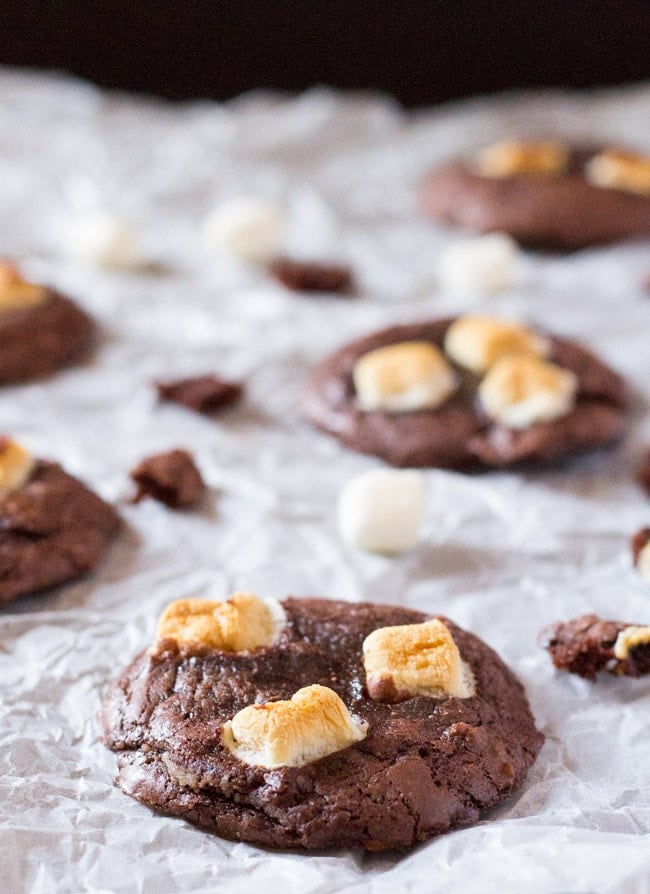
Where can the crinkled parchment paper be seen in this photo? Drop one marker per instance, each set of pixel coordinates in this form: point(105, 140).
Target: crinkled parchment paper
point(502, 554)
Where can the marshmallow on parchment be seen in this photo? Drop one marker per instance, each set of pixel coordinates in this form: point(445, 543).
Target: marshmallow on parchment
point(411, 375)
point(520, 391)
point(477, 342)
point(246, 228)
point(482, 265)
point(103, 239)
point(381, 510)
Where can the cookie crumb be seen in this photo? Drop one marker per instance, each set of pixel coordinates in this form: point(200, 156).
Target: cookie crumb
point(171, 478)
point(643, 472)
point(587, 645)
point(312, 276)
point(204, 394)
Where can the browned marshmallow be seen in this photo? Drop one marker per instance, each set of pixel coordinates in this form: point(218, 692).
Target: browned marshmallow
point(415, 659)
point(312, 724)
point(16, 465)
point(477, 342)
point(411, 375)
point(520, 391)
point(629, 639)
point(613, 169)
point(15, 292)
point(242, 623)
point(510, 158)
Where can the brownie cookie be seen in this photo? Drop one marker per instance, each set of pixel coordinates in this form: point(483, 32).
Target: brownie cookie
point(171, 478)
point(450, 427)
point(587, 645)
point(41, 331)
point(312, 723)
point(53, 529)
point(545, 194)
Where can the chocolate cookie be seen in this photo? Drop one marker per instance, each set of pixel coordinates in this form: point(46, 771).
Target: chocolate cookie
point(458, 434)
point(53, 529)
point(421, 764)
point(570, 206)
point(588, 644)
point(41, 331)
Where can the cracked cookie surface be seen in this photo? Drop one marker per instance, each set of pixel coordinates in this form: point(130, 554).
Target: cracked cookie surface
point(457, 435)
point(426, 765)
point(52, 530)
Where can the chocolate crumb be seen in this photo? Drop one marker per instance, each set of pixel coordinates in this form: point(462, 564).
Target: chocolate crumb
point(585, 646)
point(643, 473)
point(171, 478)
point(312, 276)
point(639, 541)
point(205, 394)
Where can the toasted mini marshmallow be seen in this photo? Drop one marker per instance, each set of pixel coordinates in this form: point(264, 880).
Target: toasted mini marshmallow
point(411, 375)
point(381, 510)
point(16, 465)
point(520, 391)
point(415, 659)
point(628, 171)
point(477, 342)
point(483, 265)
point(512, 157)
point(242, 623)
point(629, 639)
point(16, 292)
point(103, 239)
point(312, 724)
point(246, 228)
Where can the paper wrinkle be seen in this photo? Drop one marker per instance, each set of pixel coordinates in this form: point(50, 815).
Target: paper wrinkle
point(501, 554)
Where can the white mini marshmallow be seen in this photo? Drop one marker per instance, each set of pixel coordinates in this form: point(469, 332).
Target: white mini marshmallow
point(484, 264)
point(102, 239)
point(246, 228)
point(381, 510)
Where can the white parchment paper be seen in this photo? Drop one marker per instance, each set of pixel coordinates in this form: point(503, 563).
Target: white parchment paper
point(502, 554)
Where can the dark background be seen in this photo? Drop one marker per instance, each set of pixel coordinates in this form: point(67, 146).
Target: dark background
point(421, 51)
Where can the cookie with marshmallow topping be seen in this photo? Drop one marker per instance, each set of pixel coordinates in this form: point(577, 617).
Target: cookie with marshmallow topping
point(467, 393)
point(53, 528)
point(544, 193)
point(41, 331)
point(329, 718)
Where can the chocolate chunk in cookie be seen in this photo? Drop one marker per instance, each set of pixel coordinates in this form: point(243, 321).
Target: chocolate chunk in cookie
point(544, 193)
point(41, 331)
point(205, 394)
point(498, 394)
point(53, 529)
point(312, 276)
point(171, 478)
point(318, 724)
point(587, 645)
